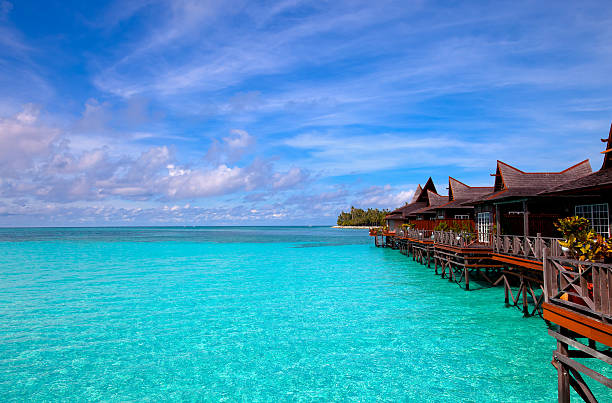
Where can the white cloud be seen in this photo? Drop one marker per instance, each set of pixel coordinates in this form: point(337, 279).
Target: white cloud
point(295, 176)
point(22, 141)
point(384, 197)
point(38, 162)
point(238, 140)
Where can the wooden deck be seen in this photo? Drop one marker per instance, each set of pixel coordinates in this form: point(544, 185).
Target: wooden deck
point(578, 323)
point(578, 299)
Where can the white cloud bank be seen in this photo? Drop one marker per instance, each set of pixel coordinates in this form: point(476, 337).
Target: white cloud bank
point(38, 162)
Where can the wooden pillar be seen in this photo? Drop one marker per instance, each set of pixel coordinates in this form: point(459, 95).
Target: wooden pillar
point(525, 305)
point(435, 262)
point(546, 272)
point(563, 377)
point(525, 219)
point(497, 220)
point(467, 273)
point(506, 292)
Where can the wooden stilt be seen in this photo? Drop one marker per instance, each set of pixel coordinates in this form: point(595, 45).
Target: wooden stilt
point(563, 383)
point(525, 304)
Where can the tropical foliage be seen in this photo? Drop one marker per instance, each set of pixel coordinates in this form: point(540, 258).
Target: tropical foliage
point(581, 241)
point(360, 217)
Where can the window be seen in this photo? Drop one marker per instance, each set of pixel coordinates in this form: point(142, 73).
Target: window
point(597, 214)
point(441, 216)
point(462, 217)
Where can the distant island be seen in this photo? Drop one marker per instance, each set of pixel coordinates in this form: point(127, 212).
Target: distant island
point(357, 217)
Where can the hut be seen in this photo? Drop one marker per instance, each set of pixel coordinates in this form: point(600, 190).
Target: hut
point(399, 216)
point(424, 216)
point(460, 208)
point(516, 206)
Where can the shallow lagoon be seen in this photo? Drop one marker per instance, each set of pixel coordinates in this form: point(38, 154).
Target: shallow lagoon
point(252, 314)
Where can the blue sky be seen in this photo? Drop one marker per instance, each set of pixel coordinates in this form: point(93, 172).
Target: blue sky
point(236, 112)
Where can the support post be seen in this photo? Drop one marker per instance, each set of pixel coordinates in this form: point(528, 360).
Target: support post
point(546, 273)
point(525, 305)
point(506, 293)
point(467, 273)
point(525, 219)
point(497, 221)
point(563, 377)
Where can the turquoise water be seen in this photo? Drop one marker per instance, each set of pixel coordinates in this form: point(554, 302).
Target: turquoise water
point(251, 314)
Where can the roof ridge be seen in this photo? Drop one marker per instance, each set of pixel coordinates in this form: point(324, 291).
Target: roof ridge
point(545, 173)
point(574, 166)
point(457, 180)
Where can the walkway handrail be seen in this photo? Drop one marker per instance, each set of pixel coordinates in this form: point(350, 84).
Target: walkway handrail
point(526, 246)
point(451, 238)
point(419, 234)
point(580, 285)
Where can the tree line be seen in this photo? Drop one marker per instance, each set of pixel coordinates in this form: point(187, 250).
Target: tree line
point(370, 217)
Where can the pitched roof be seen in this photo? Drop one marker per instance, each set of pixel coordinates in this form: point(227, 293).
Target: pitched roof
point(435, 199)
point(402, 212)
point(459, 192)
point(512, 182)
point(417, 193)
point(515, 178)
point(596, 180)
point(429, 186)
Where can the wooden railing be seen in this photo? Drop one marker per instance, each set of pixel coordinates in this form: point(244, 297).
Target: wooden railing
point(421, 235)
point(456, 239)
point(580, 285)
point(432, 224)
point(526, 246)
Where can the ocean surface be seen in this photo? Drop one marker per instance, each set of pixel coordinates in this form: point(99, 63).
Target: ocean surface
point(251, 314)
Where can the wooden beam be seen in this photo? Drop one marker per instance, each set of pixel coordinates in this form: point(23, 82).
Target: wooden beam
point(579, 367)
point(578, 323)
point(588, 350)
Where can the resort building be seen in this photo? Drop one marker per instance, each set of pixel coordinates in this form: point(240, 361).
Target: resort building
point(460, 208)
point(420, 200)
point(516, 206)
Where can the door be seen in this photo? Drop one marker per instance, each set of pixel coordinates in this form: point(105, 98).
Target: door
point(484, 227)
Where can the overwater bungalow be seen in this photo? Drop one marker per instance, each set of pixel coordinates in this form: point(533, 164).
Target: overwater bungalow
point(399, 216)
point(460, 206)
point(516, 206)
point(424, 217)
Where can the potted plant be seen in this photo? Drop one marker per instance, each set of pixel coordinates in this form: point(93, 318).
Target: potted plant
point(583, 244)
